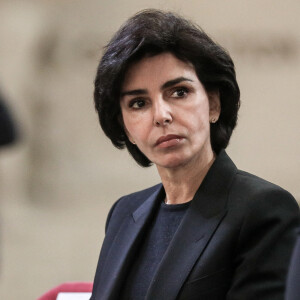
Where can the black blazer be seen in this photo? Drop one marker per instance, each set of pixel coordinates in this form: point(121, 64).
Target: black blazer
point(233, 243)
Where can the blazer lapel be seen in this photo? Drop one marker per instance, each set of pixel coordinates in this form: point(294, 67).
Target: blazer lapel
point(200, 222)
point(123, 248)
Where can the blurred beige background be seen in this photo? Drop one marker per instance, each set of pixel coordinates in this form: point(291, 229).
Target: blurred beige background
point(58, 183)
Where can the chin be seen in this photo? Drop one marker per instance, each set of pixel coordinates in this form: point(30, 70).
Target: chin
point(171, 162)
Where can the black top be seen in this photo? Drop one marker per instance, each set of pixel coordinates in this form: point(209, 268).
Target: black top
point(156, 241)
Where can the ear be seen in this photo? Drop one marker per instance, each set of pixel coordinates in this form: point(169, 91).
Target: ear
point(121, 121)
point(214, 106)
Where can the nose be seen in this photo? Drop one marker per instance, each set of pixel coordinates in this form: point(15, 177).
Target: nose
point(162, 113)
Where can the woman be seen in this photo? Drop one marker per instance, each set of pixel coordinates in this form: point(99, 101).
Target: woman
point(168, 93)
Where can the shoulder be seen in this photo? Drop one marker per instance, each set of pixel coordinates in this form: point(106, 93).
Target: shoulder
point(248, 187)
point(244, 189)
point(257, 199)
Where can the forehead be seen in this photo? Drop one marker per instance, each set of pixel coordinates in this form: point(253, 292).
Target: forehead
point(157, 69)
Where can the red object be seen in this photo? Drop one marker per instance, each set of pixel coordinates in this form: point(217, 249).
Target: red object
point(67, 287)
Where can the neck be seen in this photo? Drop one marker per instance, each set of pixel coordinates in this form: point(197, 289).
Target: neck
point(181, 183)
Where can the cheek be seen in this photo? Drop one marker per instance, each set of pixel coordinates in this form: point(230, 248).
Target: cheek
point(127, 124)
point(197, 119)
point(128, 129)
point(135, 127)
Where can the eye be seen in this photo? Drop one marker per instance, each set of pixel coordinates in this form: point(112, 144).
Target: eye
point(180, 92)
point(137, 103)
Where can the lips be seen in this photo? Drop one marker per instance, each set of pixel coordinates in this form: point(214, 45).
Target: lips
point(168, 140)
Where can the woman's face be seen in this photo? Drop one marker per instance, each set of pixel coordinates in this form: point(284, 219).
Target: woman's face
point(166, 111)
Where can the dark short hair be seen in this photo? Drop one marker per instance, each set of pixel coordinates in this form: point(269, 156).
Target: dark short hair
point(151, 32)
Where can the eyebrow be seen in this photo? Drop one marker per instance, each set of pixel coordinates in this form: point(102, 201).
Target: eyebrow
point(164, 86)
point(174, 81)
point(134, 92)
